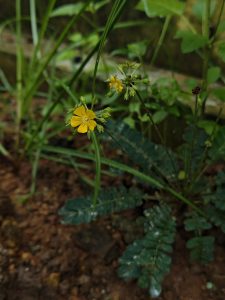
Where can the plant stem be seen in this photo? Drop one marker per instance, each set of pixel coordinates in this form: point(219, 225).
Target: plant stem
point(157, 131)
point(19, 55)
point(97, 168)
point(161, 39)
point(205, 33)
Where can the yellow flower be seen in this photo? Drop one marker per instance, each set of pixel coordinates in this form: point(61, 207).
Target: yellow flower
point(84, 118)
point(115, 83)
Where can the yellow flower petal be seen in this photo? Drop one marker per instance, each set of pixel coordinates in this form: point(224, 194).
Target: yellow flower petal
point(75, 121)
point(83, 128)
point(80, 111)
point(91, 125)
point(90, 114)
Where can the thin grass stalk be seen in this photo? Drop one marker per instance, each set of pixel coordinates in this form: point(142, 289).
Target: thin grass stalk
point(114, 14)
point(97, 168)
point(206, 53)
point(19, 58)
point(33, 21)
point(44, 25)
point(161, 39)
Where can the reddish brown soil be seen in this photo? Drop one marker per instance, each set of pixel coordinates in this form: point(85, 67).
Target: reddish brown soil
point(43, 259)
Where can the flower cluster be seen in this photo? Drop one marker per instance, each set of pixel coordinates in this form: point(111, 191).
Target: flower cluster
point(128, 81)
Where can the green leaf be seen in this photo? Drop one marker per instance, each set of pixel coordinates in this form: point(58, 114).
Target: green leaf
point(221, 27)
point(213, 74)
point(67, 10)
point(221, 51)
point(191, 41)
point(151, 157)
point(148, 259)
point(199, 7)
point(162, 8)
point(196, 223)
point(219, 93)
point(208, 126)
point(202, 248)
point(159, 116)
point(217, 150)
point(82, 210)
point(137, 49)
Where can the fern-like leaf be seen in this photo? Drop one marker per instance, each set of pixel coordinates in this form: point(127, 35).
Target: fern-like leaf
point(216, 202)
point(82, 210)
point(149, 156)
point(202, 248)
point(194, 146)
point(148, 259)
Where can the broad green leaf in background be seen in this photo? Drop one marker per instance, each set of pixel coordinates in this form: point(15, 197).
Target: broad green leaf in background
point(67, 10)
point(191, 41)
point(73, 9)
point(137, 49)
point(161, 8)
point(199, 7)
point(213, 74)
point(221, 51)
point(217, 151)
point(219, 93)
point(159, 116)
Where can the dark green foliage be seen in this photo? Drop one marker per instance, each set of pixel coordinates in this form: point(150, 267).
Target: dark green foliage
point(194, 147)
point(148, 259)
point(196, 223)
point(202, 248)
point(149, 156)
point(216, 202)
point(82, 210)
point(217, 150)
point(217, 216)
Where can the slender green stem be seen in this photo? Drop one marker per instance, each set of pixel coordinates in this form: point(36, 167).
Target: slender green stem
point(97, 168)
point(206, 55)
point(202, 164)
point(44, 25)
point(114, 14)
point(218, 21)
point(161, 39)
point(19, 55)
point(33, 20)
point(157, 131)
point(188, 170)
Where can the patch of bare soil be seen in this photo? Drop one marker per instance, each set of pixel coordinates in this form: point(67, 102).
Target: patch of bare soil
point(43, 259)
